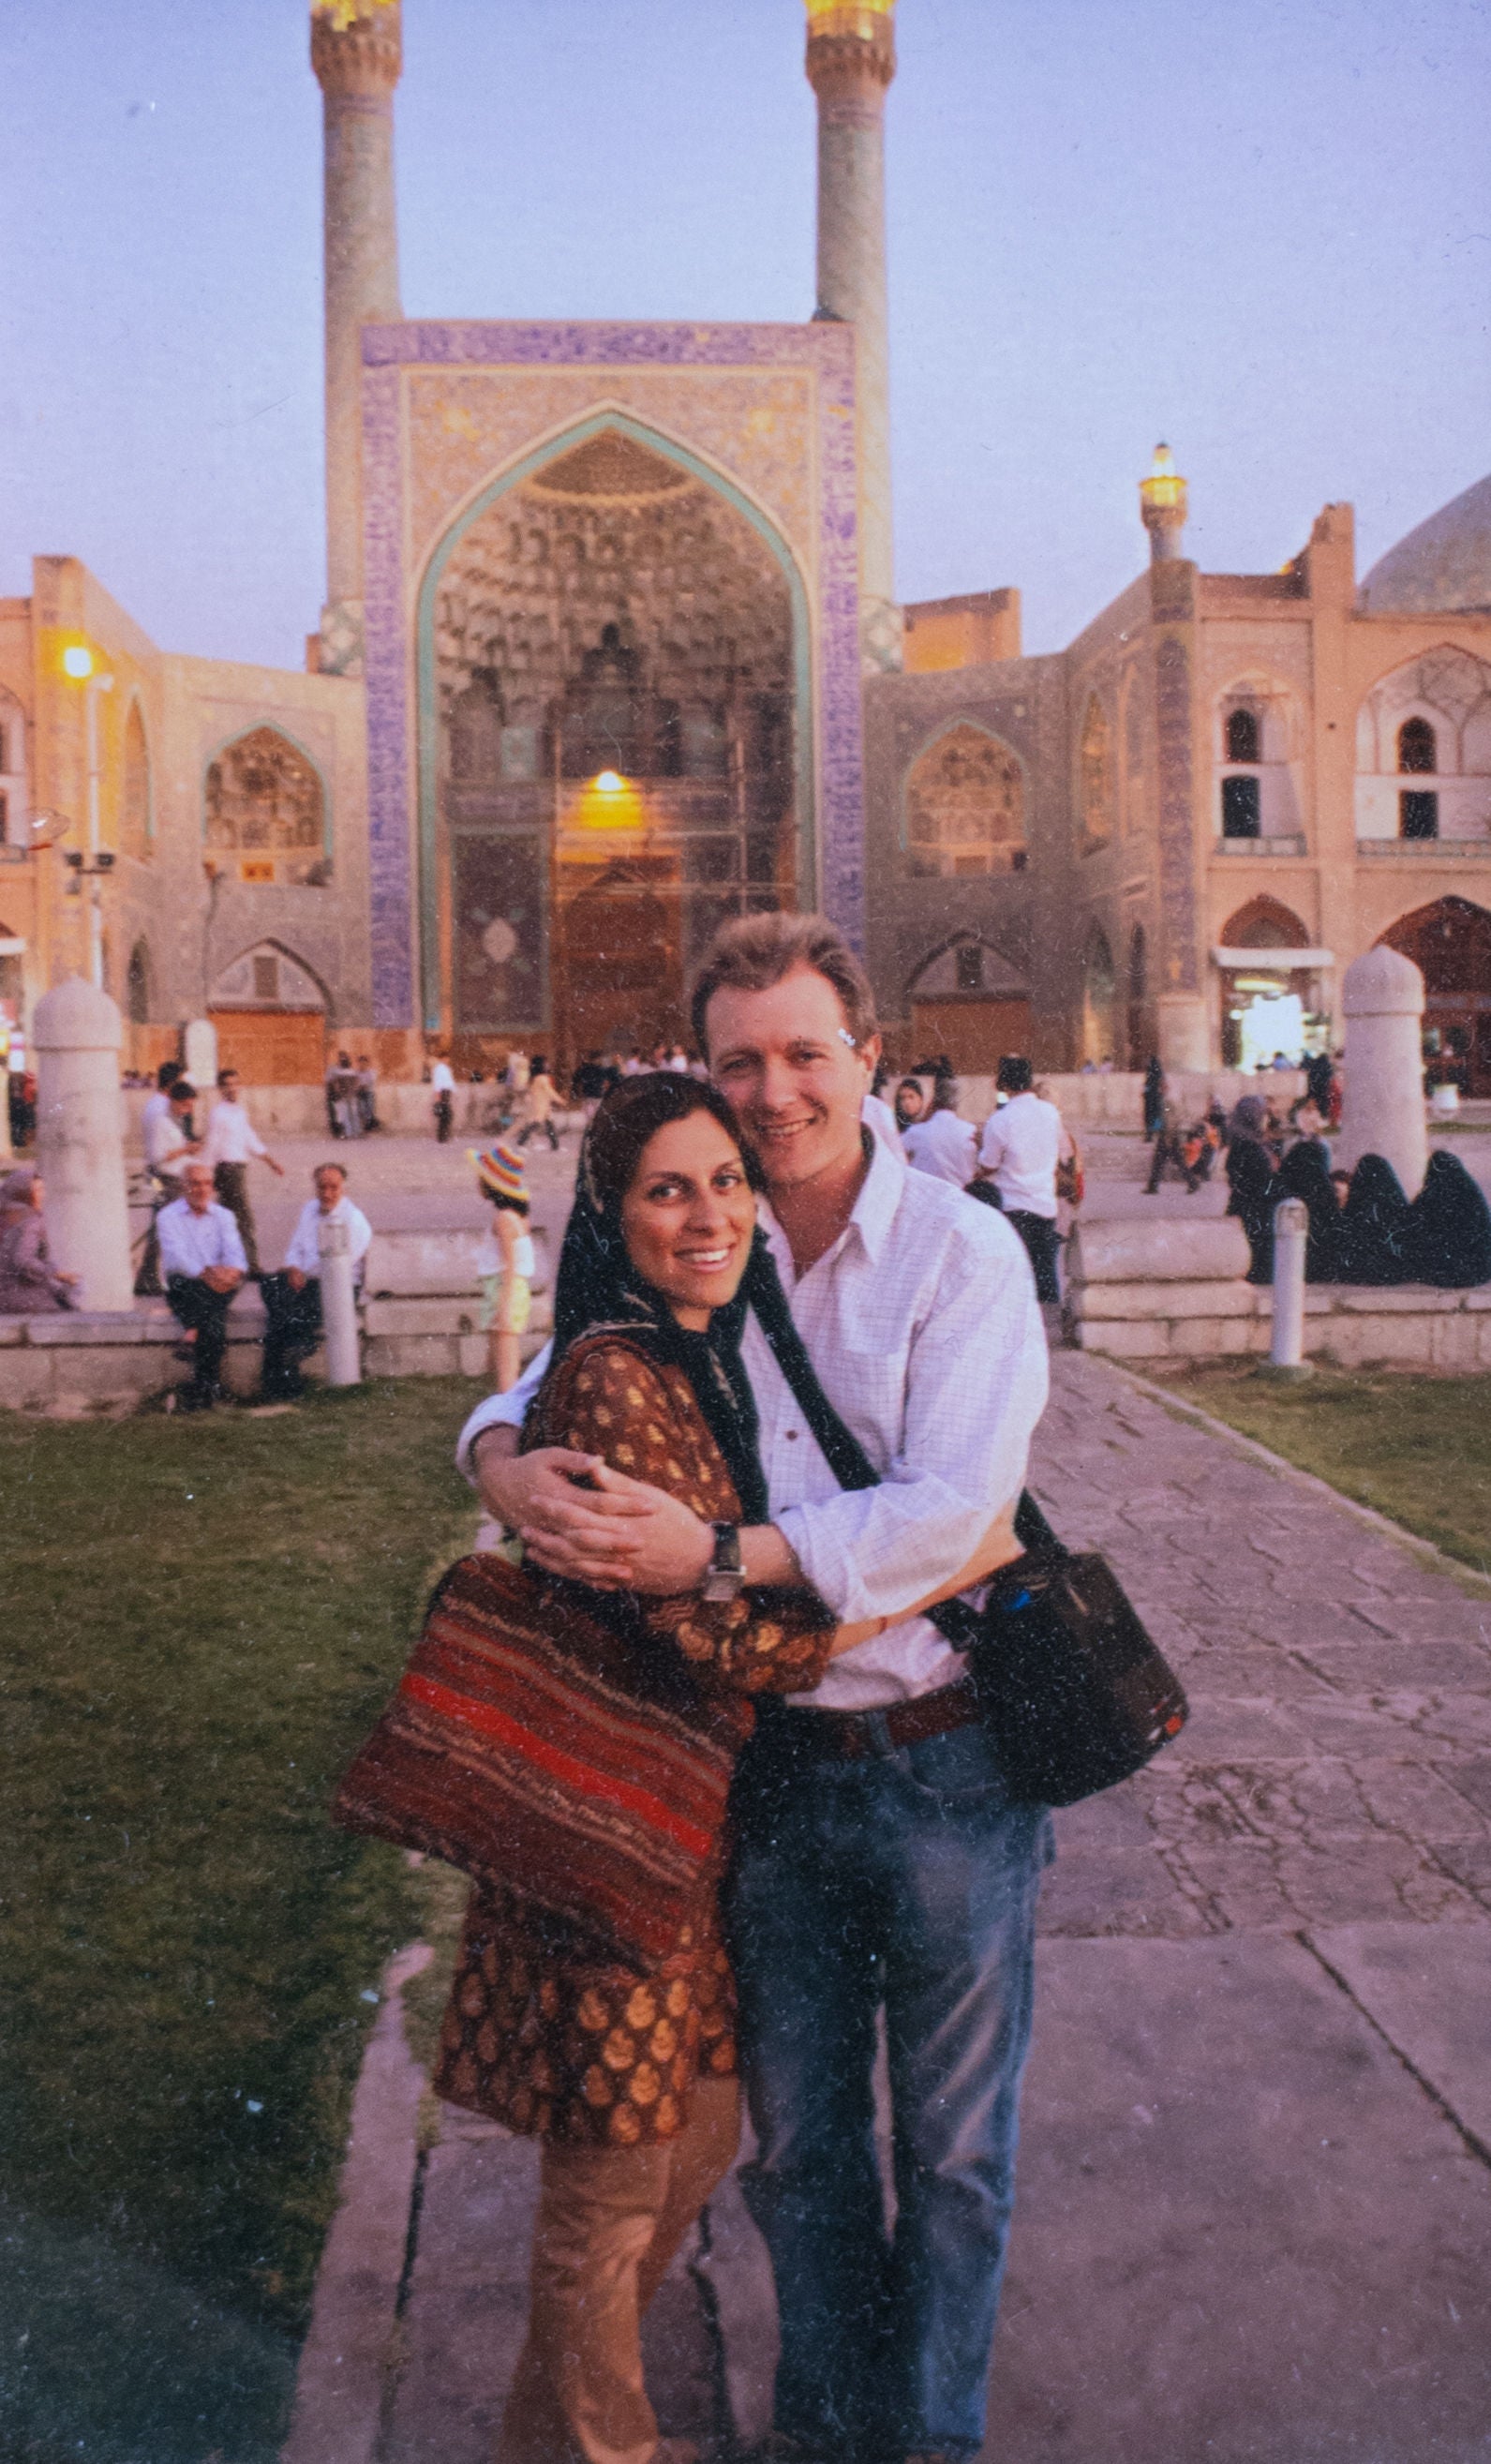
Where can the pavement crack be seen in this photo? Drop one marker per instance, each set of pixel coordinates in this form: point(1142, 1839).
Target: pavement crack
point(1474, 2143)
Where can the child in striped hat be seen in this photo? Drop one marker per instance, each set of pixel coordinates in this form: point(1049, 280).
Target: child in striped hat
point(505, 1260)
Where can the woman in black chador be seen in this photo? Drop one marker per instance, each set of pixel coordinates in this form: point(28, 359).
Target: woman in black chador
point(1306, 1173)
point(1375, 1223)
point(1254, 1185)
point(1449, 1228)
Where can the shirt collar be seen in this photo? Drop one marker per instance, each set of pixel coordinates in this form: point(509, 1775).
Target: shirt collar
point(872, 1215)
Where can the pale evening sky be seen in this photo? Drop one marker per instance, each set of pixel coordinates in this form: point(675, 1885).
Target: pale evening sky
point(1263, 232)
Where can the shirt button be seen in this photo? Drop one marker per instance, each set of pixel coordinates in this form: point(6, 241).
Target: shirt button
point(791, 1433)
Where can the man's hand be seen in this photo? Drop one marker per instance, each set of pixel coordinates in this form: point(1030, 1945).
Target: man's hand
point(294, 1278)
point(221, 1279)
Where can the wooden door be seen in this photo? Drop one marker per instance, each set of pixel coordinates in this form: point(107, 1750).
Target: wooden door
point(272, 1047)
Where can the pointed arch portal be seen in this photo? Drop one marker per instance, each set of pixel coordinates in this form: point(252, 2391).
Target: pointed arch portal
point(728, 728)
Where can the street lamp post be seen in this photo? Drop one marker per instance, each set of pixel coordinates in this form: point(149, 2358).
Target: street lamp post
point(79, 663)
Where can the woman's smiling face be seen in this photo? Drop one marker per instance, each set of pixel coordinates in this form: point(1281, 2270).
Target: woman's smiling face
point(688, 1216)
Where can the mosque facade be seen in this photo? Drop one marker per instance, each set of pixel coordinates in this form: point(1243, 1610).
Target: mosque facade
point(611, 651)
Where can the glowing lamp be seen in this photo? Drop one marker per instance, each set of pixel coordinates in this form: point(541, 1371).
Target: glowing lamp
point(78, 662)
point(1164, 489)
point(611, 783)
point(609, 802)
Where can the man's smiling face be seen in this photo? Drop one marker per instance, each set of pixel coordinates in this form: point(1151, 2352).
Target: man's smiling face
point(785, 1060)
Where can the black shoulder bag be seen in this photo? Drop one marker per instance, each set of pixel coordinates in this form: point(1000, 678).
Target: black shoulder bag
point(1074, 1693)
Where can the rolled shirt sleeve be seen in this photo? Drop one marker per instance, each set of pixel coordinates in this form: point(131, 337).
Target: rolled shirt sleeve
point(507, 1411)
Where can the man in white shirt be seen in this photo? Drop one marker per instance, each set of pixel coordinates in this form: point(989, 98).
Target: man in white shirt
point(230, 1140)
point(879, 1860)
point(442, 1086)
point(942, 1144)
point(204, 1262)
point(1020, 1149)
point(293, 1298)
point(166, 1123)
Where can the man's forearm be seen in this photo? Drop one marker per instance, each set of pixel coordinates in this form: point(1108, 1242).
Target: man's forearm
point(494, 1453)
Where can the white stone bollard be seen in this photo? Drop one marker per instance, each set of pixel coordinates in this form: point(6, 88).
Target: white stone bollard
point(1382, 998)
point(80, 1141)
point(339, 1306)
point(1291, 1230)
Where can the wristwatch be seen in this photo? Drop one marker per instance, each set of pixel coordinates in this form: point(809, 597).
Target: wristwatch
point(724, 1576)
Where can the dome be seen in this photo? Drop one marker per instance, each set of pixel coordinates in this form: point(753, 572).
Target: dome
point(1442, 568)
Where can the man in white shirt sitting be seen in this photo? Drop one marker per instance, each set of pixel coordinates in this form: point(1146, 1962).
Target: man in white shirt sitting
point(1020, 1149)
point(880, 1861)
point(940, 1143)
point(204, 1262)
point(230, 1140)
point(293, 1298)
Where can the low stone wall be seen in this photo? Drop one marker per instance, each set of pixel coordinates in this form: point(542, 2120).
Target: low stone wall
point(1170, 1290)
point(1092, 1099)
point(420, 1313)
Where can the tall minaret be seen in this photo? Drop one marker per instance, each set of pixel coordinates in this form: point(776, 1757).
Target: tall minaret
point(1162, 507)
point(357, 54)
point(850, 63)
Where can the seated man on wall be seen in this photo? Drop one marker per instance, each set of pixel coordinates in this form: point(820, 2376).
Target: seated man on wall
point(204, 1262)
point(293, 1298)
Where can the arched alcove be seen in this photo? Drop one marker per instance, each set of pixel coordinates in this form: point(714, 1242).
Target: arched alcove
point(272, 1011)
point(1450, 944)
point(265, 811)
point(1095, 775)
point(964, 805)
point(619, 640)
point(1423, 751)
point(137, 809)
point(1268, 1003)
point(1099, 998)
point(968, 999)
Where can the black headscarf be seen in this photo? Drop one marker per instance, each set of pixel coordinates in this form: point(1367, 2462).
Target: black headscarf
point(599, 1287)
point(1375, 1225)
point(1306, 1173)
point(1449, 1228)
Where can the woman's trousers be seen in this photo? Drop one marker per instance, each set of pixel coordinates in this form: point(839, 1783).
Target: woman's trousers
point(610, 2222)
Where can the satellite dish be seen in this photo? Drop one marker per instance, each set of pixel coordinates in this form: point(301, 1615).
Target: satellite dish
point(48, 827)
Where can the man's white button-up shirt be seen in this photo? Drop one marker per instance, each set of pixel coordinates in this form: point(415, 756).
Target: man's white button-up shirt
point(921, 1322)
point(190, 1241)
point(944, 1145)
point(1022, 1147)
point(231, 1136)
point(304, 1249)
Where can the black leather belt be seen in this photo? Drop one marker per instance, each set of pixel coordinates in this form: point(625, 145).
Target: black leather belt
point(851, 1736)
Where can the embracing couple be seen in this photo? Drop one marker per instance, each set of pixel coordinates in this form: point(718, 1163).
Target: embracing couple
point(873, 1860)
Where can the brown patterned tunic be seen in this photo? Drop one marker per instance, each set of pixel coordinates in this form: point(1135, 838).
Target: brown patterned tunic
point(537, 2034)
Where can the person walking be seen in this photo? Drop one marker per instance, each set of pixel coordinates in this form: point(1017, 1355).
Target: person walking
point(940, 1143)
point(880, 1862)
point(1017, 1155)
point(539, 1099)
point(31, 1286)
point(1153, 1097)
point(169, 1141)
point(505, 1262)
point(230, 1140)
point(442, 1086)
point(204, 1261)
point(626, 2073)
point(293, 1298)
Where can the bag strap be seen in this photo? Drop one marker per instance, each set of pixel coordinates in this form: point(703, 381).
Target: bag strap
point(845, 1457)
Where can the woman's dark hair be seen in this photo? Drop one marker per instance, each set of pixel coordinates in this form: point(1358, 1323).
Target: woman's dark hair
point(630, 1117)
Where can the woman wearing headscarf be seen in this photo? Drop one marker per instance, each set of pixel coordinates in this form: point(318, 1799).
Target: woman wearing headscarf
point(1375, 1226)
point(1304, 1173)
point(1449, 1228)
point(627, 2073)
point(29, 1284)
point(1252, 1181)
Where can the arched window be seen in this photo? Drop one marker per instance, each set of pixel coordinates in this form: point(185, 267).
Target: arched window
point(1265, 924)
point(138, 830)
point(137, 985)
point(1244, 736)
point(965, 807)
point(265, 803)
point(1095, 774)
point(1417, 748)
point(1098, 998)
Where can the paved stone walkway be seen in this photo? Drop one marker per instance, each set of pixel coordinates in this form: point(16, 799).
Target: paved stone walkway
point(1255, 2210)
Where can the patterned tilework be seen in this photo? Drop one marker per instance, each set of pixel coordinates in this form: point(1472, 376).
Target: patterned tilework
point(1174, 611)
point(447, 407)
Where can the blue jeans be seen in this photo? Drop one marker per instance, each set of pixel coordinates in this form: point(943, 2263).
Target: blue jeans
point(908, 1880)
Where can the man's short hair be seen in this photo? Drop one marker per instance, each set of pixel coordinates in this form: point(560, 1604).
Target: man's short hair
point(168, 1074)
point(1015, 1075)
point(339, 1169)
point(754, 952)
point(181, 1092)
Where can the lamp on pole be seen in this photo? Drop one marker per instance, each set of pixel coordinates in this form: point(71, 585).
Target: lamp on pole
point(79, 663)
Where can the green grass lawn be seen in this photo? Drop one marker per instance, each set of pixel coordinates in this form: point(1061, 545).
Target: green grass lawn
point(201, 1619)
point(1416, 1448)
